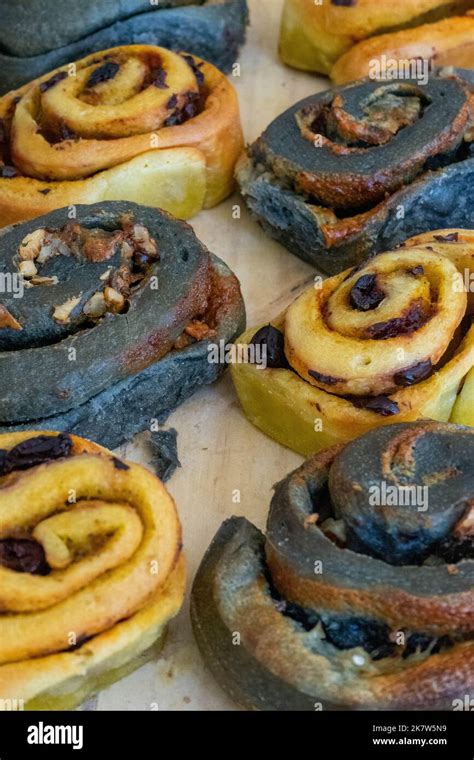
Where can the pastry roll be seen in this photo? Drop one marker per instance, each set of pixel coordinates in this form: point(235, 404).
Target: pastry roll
point(137, 123)
point(90, 564)
point(447, 43)
point(118, 308)
point(352, 171)
point(213, 29)
point(314, 35)
point(360, 595)
point(390, 341)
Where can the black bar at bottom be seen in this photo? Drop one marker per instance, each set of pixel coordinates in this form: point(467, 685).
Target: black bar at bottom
point(376, 734)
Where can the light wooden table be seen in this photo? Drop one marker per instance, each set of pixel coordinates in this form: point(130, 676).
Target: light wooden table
point(219, 450)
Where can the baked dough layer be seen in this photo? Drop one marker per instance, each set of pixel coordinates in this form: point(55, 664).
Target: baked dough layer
point(111, 540)
point(340, 385)
point(145, 136)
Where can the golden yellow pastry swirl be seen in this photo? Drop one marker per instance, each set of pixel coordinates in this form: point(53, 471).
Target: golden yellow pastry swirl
point(366, 333)
point(113, 125)
point(387, 342)
point(89, 546)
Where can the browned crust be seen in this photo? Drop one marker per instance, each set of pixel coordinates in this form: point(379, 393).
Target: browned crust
point(193, 304)
point(432, 683)
point(436, 614)
point(352, 191)
point(448, 42)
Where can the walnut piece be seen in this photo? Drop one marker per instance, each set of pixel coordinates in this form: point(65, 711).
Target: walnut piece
point(31, 245)
point(63, 312)
point(37, 280)
point(114, 300)
point(95, 306)
point(27, 268)
point(145, 242)
point(7, 320)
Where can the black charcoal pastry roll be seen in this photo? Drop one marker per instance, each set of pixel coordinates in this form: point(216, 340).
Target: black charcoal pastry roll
point(39, 35)
point(118, 307)
point(356, 170)
point(360, 596)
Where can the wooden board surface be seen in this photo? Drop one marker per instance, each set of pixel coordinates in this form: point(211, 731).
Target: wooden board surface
point(220, 452)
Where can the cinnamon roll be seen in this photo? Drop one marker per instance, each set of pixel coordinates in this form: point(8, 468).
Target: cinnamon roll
point(90, 564)
point(360, 595)
point(338, 37)
point(352, 171)
point(389, 341)
point(137, 123)
point(109, 317)
point(211, 29)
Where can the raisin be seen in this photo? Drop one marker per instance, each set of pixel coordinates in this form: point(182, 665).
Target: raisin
point(417, 271)
point(352, 632)
point(44, 86)
point(443, 643)
point(410, 321)
point(325, 379)
point(141, 260)
point(65, 133)
point(158, 79)
point(417, 642)
point(413, 374)
point(7, 172)
point(172, 102)
point(189, 110)
point(366, 293)
point(103, 74)
point(119, 465)
point(34, 451)
point(307, 619)
point(195, 68)
point(23, 556)
point(81, 640)
point(274, 342)
point(344, 3)
point(453, 237)
point(453, 550)
point(379, 404)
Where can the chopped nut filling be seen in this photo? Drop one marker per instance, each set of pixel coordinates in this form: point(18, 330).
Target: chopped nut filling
point(8, 320)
